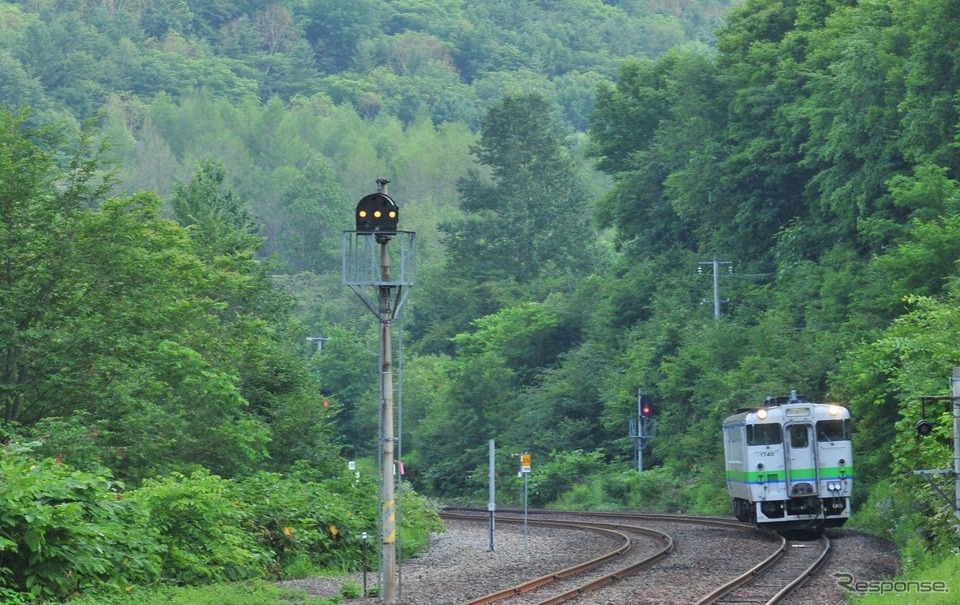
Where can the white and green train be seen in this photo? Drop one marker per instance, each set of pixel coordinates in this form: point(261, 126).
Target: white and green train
point(790, 464)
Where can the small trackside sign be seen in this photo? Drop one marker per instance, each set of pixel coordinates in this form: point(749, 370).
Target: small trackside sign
point(524, 463)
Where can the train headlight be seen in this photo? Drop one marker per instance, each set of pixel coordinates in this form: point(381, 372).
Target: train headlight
point(835, 486)
point(762, 414)
point(834, 410)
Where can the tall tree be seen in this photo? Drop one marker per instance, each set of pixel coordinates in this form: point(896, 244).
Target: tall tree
point(527, 224)
point(532, 216)
point(222, 224)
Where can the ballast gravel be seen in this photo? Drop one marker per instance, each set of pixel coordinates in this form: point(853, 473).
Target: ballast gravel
point(459, 565)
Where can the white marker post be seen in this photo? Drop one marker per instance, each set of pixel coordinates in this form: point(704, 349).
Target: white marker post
point(492, 502)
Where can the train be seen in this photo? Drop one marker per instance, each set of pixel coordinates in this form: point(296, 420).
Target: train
point(789, 464)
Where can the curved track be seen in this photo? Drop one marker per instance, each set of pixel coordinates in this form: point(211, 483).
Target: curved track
point(628, 558)
point(776, 577)
point(768, 582)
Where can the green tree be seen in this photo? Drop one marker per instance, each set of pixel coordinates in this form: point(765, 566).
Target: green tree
point(276, 383)
point(528, 224)
point(310, 215)
point(533, 215)
point(652, 130)
point(170, 339)
point(336, 28)
point(884, 381)
point(223, 225)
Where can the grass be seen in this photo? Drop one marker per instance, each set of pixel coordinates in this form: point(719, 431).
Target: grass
point(936, 585)
point(245, 593)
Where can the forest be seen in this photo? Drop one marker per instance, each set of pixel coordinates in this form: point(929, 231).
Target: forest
point(175, 178)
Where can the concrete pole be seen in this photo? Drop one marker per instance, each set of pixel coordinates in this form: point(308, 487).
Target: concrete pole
point(388, 532)
point(955, 384)
point(715, 265)
point(716, 287)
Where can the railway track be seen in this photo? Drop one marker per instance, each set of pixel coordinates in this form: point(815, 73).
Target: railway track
point(768, 582)
point(628, 558)
point(773, 579)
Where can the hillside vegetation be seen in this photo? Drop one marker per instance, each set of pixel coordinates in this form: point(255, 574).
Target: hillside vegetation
point(176, 176)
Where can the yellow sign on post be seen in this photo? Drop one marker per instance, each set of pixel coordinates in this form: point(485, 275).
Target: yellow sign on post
point(524, 463)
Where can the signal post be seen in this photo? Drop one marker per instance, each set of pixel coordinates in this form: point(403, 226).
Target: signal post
point(644, 427)
point(925, 428)
point(367, 262)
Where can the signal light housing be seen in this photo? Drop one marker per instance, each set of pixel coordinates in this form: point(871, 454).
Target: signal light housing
point(924, 427)
point(377, 213)
point(646, 406)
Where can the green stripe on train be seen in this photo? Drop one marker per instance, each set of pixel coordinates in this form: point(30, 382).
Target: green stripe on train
point(797, 474)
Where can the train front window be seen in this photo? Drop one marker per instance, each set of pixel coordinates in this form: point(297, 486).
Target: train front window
point(833, 430)
point(764, 434)
point(798, 436)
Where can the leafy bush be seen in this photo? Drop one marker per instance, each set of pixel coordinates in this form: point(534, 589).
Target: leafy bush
point(76, 440)
point(201, 528)
point(590, 495)
point(560, 472)
point(305, 522)
point(661, 489)
point(13, 597)
point(64, 530)
point(298, 567)
point(420, 517)
point(294, 517)
point(351, 590)
point(898, 513)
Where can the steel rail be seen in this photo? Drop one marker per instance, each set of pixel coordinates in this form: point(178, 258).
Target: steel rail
point(666, 517)
point(747, 577)
point(806, 575)
point(608, 529)
point(756, 572)
point(671, 518)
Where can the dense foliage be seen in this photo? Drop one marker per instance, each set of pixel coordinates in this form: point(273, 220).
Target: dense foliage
point(449, 58)
point(816, 152)
point(65, 532)
point(566, 166)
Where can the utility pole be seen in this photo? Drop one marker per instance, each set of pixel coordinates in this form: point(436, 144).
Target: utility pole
point(716, 281)
point(955, 400)
point(317, 339)
point(367, 262)
point(388, 506)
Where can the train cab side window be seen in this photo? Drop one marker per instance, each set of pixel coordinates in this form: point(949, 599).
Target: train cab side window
point(833, 430)
point(764, 434)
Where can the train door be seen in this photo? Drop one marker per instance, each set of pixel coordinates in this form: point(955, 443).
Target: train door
point(801, 460)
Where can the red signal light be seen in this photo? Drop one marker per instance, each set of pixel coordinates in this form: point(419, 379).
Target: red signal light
point(646, 406)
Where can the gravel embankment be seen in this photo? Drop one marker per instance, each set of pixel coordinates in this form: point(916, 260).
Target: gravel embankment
point(459, 565)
